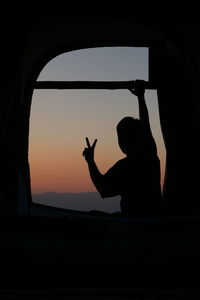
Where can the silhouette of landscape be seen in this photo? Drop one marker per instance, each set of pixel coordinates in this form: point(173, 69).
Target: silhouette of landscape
point(85, 201)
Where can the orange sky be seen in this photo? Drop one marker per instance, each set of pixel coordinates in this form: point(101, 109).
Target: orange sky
point(60, 121)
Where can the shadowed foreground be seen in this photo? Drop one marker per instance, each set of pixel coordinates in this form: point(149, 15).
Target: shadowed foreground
point(100, 255)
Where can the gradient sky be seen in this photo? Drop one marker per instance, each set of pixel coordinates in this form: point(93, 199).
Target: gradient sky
point(61, 119)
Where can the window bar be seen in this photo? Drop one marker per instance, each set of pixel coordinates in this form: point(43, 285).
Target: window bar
point(110, 85)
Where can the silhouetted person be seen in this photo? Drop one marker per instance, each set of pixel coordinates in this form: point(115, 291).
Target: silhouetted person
point(136, 178)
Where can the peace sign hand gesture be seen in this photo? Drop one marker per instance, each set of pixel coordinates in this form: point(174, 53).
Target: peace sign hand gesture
point(89, 151)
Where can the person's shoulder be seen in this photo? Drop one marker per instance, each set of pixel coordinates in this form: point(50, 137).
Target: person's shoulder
point(121, 162)
point(117, 168)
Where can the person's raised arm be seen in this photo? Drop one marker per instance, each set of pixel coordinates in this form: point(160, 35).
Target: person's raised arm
point(138, 90)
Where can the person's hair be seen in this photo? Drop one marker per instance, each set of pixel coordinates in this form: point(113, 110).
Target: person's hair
point(130, 127)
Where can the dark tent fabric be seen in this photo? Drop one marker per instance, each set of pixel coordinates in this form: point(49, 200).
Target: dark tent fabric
point(179, 118)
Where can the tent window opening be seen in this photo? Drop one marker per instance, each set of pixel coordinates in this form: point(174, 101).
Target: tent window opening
point(77, 94)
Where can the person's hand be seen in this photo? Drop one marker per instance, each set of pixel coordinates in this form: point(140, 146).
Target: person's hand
point(88, 152)
point(138, 88)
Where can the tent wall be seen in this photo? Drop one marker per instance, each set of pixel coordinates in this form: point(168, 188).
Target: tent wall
point(179, 121)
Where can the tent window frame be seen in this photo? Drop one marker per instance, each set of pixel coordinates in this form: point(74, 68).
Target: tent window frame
point(111, 85)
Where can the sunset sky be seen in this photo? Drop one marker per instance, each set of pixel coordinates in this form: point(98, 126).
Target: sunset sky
point(61, 119)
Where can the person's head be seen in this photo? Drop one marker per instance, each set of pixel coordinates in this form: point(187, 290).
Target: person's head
point(129, 131)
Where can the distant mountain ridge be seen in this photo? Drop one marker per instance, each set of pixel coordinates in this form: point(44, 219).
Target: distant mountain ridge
point(81, 201)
